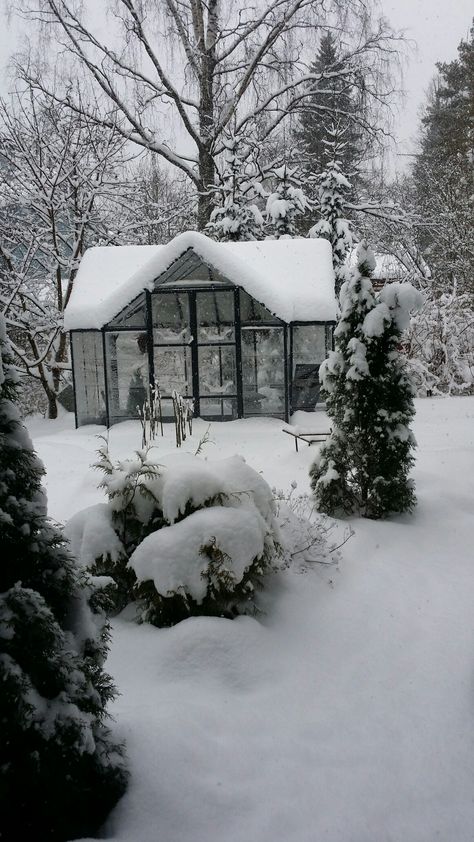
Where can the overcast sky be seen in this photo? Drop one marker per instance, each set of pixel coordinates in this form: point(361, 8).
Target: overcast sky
point(437, 27)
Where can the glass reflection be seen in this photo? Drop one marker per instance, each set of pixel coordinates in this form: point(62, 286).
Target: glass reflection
point(127, 372)
point(215, 316)
point(173, 371)
point(170, 314)
point(263, 374)
point(217, 370)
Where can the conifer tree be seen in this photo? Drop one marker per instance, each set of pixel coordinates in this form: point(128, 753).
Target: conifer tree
point(286, 202)
point(364, 465)
point(333, 187)
point(60, 772)
point(333, 99)
point(444, 174)
point(237, 217)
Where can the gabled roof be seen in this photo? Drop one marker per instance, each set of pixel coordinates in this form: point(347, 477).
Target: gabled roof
point(293, 278)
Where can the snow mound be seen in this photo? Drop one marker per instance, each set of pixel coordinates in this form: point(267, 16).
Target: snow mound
point(173, 559)
point(91, 535)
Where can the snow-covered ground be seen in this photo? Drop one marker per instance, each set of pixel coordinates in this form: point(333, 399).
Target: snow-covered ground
point(345, 711)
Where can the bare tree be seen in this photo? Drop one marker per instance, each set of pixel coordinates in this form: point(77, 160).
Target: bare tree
point(210, 67)
point(62, 188)
point(167, 203)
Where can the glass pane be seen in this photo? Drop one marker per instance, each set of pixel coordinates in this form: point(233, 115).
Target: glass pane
point(309, 350)
point(132, 316)
point(89, 380)
point(252, 311)
point(263, 377)
point(215, 316)
point(309, 344)
point(217, 370)
point(167, 411)
point(173, 370)
point(216, 409)
point(127, 373)
point(170, 313)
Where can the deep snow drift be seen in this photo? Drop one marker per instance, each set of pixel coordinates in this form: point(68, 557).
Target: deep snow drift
point(345, 710)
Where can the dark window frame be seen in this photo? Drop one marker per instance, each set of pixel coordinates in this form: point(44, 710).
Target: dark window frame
point(192, 289)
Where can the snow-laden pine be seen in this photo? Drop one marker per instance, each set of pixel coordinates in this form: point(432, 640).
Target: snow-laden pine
point(237, 217)
point(60, 771)
point(364, 465)
point(285, 203)
point(333, 190)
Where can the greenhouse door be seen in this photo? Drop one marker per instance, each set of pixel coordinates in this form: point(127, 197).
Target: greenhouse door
point(263, 371)
point(194, 350)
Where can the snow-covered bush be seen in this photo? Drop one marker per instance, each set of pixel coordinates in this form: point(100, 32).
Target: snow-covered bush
point(180, 537)
point(439, 344)
point(307, 536)
point(60, 772)
point(364, 464)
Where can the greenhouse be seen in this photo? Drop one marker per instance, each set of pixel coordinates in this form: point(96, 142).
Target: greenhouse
point(239, 328)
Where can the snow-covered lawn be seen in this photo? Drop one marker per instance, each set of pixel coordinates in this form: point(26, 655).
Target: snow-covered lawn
point(345, 711)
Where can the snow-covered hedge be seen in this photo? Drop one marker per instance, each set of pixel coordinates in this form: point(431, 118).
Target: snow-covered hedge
point(439, 344)
point(180, 536)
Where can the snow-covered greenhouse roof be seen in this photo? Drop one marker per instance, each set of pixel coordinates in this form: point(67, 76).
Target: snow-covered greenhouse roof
point(293, 278)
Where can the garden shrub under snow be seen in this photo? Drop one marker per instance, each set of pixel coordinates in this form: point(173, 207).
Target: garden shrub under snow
point(61, 772)
point(364, 465)
point(181, 537)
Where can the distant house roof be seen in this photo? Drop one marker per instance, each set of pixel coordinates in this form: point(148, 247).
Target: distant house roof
point(293, 278)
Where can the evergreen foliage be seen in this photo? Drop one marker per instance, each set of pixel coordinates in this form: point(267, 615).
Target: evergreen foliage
point(333, 187)
point(60, 773)
point(364, 465)
point(286, 203)
point(334, 100)
point(444, 174)
point(237, 218)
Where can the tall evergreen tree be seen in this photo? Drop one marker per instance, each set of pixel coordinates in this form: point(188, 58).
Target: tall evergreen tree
point(333, 187)
point(444, 174)
point(332, 101)
point(364, 465)
point(60, 772)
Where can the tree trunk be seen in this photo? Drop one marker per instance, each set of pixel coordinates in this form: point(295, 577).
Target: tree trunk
point(52, 405)
point(207, 172)
point(207, 169)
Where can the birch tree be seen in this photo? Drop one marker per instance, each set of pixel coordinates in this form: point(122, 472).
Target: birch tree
point(176, 77)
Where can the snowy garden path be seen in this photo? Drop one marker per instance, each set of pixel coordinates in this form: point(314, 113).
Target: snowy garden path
point(345, 712)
